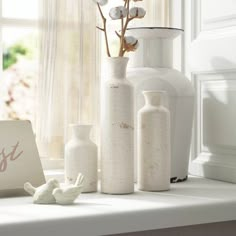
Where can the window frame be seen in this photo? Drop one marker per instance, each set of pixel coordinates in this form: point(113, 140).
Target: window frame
point(12, 22)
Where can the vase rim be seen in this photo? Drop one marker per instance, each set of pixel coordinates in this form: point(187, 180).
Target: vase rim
point(155, 32)
point(117, 58)
point(154, 92)
point(80, 125)
point(155, 27)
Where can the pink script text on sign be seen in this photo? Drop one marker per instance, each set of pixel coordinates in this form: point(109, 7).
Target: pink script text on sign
point(12, 156)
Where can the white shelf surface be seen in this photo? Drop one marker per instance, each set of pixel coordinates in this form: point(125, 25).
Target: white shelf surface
point(197, 201)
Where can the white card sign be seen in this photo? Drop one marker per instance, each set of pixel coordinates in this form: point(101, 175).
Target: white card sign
point(19, 158)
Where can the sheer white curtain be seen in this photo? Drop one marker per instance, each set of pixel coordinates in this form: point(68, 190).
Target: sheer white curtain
point(157, 13)
point(68, 88)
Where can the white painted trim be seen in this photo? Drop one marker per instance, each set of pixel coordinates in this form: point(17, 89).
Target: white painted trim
point(210, 72)
point(11, 22)
point(209, 58)
point(204, 162)
point(212, 169)
point(51, 164)
point(55, 174)
point(177, 21)
point(195, 18)
point(219, 22)
point(220, 19)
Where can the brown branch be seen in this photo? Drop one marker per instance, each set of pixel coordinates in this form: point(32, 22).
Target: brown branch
point(123, 52)
point(122, 35)
point(100, 10)
point(99, 28)
point(118, 35)
point(104, 30)
point(124, 28)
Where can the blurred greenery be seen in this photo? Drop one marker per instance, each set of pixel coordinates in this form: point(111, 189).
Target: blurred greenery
point(25, 47)
point(10, 55)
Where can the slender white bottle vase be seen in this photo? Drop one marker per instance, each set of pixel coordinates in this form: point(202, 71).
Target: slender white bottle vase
point(117, 132)
point(153, 144)
point(81, 157)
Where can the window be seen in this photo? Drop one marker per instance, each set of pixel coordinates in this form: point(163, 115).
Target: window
point(69, 86)
point(19, 70)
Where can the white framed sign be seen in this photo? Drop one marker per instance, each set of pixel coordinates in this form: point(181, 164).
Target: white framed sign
point(19, 158)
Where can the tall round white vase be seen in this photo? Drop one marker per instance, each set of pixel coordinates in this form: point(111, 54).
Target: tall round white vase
point(151, 68)
point(81, 157)
point(117, 132)
point(153, 143)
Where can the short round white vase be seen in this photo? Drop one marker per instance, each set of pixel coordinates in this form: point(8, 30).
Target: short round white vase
point(81, 157)
point(117, 131)
point(153, 143)
point(151, 68)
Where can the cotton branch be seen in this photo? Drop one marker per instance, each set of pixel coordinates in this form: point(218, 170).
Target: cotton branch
point(118, 35)
point(99, 28)
point(104, 29)
point(124, 28)
point(128, 49)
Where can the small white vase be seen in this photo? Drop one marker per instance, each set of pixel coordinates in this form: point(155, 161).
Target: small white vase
point(117, 132)
point(153, 144)
point(81, 157)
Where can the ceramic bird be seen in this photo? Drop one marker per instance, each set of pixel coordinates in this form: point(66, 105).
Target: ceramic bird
point(67, 195)
point(43, 194)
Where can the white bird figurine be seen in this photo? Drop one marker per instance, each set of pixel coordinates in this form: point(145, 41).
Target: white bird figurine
point(67, 195)
point(43, 194)
point(52, 192)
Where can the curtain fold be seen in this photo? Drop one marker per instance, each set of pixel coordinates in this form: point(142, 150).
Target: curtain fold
point(68, 86)
point(157, 13)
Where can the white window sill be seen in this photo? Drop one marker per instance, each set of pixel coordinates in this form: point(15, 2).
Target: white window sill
point(197, 201)
point(55, 174)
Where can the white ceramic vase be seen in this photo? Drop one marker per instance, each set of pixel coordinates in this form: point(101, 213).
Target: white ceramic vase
point(117, 130)
point(153, 143)
point(151, 68)
point(81, 157)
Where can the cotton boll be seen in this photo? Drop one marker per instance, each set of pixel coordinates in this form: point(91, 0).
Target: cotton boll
point(117, 13)
point(137, 12)
point(101, 2)
point(130, 43)
point(130, 40)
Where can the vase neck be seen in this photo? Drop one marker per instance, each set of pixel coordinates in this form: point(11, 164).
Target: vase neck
point(153, 98)
point(153, 53)
point(116, 67)
point(81, 131)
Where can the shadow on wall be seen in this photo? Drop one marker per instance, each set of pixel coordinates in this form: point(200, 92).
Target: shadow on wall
point(219, 111)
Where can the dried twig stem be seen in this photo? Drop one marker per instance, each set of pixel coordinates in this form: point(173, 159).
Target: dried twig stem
point(118, 35)
point(124, 28)
point(104, 29)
